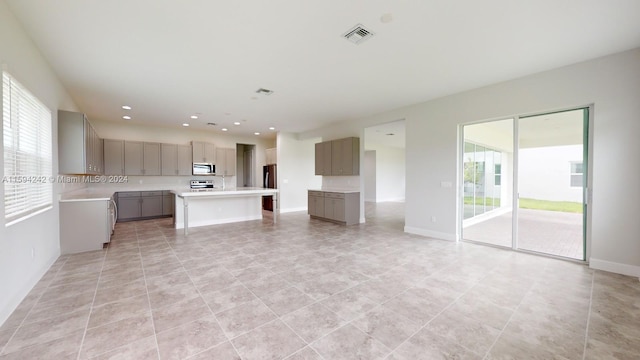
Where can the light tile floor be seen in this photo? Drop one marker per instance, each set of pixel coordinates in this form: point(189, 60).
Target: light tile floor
point(306, 289)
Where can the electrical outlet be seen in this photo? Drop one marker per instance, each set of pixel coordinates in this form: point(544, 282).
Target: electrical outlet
point(33, 253)
point(433, 219)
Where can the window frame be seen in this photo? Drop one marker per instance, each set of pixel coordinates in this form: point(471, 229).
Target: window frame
point(27, 152)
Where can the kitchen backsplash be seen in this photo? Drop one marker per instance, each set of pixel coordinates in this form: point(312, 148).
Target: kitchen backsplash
point(341, 182)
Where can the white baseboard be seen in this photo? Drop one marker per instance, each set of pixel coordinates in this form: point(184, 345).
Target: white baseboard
point(399, 199)
point(430, 233)
point(302, 208)
point(618, 268)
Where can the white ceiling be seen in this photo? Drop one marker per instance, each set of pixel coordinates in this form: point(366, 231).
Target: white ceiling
point(169, 59)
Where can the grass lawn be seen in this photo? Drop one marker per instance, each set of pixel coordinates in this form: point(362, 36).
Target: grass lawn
point(563, 206)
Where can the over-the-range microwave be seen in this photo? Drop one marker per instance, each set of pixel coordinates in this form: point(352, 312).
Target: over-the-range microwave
point(204, 169)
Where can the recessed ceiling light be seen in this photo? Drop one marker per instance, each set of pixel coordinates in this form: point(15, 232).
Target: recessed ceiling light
point(127, 117)
point(185, 124)
point(194, 116)
point(386, 18)
point(225, 129)
point(256, 133)
point(236, 123)
point(126, 107)
point(272, 128)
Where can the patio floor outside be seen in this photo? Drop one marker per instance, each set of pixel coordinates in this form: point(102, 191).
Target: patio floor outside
point(550, 232)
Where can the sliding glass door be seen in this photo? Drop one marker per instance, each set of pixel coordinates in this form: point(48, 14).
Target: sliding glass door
point(551, 183)
point(487, 181)
point(549, 155)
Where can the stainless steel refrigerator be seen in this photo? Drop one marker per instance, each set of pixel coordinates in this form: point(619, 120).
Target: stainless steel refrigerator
point(269, 181)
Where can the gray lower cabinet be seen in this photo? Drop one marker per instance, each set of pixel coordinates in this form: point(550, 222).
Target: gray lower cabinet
point(84, 225)
point(335, 206)
point(151, 204)
point(167, 203)
point(134, 205)
point(316, 203)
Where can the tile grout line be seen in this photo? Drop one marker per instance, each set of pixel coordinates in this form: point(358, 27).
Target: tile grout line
point(444, 309)
point(512, 315)
point(586, 332)
point(146, 288)
point(95, 293)
point(203, 300)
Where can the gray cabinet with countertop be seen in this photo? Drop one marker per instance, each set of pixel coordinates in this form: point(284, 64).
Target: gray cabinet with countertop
point(135, 205)
point(339, 207)
point(84, 225)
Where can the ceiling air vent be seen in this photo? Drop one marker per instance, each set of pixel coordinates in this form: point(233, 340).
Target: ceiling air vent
point(264, 91)
point(358, 34)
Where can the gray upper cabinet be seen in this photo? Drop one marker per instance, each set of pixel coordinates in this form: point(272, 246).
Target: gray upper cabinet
point(133, 153)
point(323, 158)
point(185, 163)
point(151, 159)
point(203, 152)
point(338, 157)
point(141, 158)
point(345, 156)
point(169, 159)
point(176, 159)
point(113, 157)
point(225, 161)
point(79, 147)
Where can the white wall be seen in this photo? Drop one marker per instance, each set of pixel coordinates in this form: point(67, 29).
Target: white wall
point(28, 248)
point(545, 173)
point(296, 171)
point(370, 190)
point(128, 131)
point(611, 84)
point(390, 173)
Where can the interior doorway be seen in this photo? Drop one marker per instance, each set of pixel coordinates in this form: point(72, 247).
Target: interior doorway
point(384, 173)
point(524, 182)
point(245, 165)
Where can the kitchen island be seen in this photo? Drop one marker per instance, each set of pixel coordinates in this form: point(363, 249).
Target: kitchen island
point(204, 207)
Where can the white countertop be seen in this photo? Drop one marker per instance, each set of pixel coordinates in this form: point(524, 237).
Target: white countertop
point(224, 192)
point(341, 191)
point(104, 193)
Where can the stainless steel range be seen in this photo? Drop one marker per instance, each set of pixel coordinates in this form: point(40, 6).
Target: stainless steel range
point(201, 184)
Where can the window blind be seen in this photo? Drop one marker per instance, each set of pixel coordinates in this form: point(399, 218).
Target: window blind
point(28, 185)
